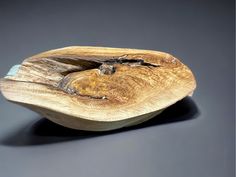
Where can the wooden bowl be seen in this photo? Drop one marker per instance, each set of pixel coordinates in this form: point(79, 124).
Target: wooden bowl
point(98, 88)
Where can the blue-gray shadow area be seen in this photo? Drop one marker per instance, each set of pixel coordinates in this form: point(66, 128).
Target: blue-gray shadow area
point(47, 132)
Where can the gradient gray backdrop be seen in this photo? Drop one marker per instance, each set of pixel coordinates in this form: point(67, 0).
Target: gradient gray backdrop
point(199, 144)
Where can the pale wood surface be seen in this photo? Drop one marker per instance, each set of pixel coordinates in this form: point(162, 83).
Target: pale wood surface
point(97, 88)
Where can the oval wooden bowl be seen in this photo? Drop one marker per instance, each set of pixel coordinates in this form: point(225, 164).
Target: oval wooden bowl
point(98, 88)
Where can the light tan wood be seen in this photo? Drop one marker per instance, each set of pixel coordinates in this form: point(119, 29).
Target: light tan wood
point(98, 88)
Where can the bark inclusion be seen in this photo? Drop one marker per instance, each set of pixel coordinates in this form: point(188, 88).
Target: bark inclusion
point(105, 67)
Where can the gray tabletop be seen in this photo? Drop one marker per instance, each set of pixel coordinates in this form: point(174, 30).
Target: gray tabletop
point(193, 138)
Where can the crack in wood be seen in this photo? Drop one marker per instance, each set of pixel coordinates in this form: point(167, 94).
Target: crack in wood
point(135, 62)
point(106, 67)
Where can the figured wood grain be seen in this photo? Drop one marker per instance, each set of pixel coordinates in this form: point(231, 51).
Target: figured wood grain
point(98, 88)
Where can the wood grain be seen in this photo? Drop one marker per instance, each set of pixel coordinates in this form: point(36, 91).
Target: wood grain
point(99, 88)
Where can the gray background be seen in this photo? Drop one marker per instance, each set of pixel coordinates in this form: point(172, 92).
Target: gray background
point(193, 138)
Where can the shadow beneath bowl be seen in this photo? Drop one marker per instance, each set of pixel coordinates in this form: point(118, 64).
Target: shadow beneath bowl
point(46, 132)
